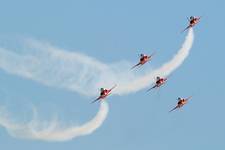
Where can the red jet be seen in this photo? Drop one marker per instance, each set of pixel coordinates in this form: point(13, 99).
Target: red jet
point(104, 93)
point(159, 82)
point(181, 102)
point(192, 22)
point(143, 59)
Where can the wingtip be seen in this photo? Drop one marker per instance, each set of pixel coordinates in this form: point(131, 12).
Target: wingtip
point(154, 52)
point(133, 67)
point(189, 97)
point(172, 110)
point(149, 90)
point(183, 31)
point(92, 102)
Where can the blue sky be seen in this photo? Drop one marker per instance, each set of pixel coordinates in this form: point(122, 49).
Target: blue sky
point(116, 30)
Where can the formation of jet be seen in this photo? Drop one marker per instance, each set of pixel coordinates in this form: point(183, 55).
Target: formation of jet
point(159, 80)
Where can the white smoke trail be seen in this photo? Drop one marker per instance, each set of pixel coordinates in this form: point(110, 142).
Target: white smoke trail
point(80, 73)
point(77, 72)
point(51, 131)
point(164, 70)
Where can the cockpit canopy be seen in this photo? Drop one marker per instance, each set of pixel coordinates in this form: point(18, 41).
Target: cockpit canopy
point(192, 17)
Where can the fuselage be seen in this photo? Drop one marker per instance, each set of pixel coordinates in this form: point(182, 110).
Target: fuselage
point(144, 59)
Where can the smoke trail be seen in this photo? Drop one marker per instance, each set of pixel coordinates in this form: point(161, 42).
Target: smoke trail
point(164, 70)
point(51, 131)
point(77, 72)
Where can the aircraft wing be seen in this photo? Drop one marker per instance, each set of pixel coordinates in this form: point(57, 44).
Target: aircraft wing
point(151, 88)
point(152, 55)
point(173, 109)
point(96, 99)
point(186, 28)
point(113, 87)
point(188, 98)
point(199, 17)
point(136, 65)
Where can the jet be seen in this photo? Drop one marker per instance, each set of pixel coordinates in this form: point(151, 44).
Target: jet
point(104, 93)
point(159, 82)
point(143, 59)
point(181, 102)
point(192, 22)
